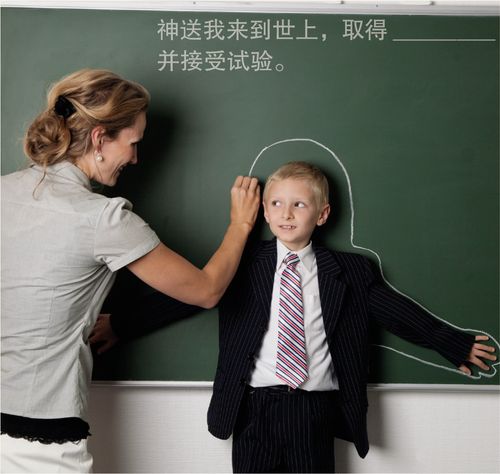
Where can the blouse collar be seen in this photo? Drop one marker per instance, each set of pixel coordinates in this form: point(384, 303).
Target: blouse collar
point(67, 171)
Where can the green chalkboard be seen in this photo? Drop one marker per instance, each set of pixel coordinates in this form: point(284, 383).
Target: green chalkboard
point(400, 111)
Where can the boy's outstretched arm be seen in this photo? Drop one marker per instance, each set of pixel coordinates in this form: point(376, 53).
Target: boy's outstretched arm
point(408, 320)
point(129, 318)
point(138, 317)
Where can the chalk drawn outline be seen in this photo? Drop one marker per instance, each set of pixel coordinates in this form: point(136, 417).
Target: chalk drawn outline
point(480, 374)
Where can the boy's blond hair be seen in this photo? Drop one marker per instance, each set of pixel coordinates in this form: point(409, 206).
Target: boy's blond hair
point(305, 171)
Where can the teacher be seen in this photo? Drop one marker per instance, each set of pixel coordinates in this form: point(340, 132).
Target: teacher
point(61, 246)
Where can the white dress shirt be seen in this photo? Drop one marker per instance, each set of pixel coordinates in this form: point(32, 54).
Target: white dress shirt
point(321, 373)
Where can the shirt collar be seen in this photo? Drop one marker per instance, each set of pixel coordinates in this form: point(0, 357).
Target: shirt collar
point(306, 255)
point(66, 170)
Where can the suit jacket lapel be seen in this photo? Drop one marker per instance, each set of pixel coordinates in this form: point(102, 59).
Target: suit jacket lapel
point(262, 271)
point(331, 289)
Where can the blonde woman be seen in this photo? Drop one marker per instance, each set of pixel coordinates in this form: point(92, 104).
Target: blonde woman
point(61, 246)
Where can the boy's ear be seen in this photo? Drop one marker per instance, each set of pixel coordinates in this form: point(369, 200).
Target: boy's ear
point(323, 216)
point(265, 212)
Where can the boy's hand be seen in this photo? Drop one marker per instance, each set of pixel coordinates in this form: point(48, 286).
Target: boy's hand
point(477, 354)
point(245, 201)
point(102, 334)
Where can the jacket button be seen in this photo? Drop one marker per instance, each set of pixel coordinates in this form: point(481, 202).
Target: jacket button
point(243, 382)
point(251, 356)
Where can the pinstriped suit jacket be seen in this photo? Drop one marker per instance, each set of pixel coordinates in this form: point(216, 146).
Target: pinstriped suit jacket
point(353, 296)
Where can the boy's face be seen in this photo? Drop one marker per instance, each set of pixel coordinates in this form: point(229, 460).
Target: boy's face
point(292, 211)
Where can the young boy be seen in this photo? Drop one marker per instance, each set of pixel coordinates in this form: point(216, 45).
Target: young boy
point(293, 338)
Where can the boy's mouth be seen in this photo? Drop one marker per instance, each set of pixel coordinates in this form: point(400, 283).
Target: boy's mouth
point(287, 227)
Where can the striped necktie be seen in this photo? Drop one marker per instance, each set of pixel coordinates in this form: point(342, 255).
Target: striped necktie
point(291, 363)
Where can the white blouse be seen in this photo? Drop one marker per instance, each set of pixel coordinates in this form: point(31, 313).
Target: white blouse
point(60, 243)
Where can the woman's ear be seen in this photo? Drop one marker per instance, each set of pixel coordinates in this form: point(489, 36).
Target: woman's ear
point(97, 136)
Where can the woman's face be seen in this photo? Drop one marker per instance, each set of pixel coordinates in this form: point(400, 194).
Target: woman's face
point(119, 152)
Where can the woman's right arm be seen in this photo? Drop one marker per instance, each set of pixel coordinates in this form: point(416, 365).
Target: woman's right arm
point(170, 273)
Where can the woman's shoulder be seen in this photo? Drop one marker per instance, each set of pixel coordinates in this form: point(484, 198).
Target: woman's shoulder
point(102, 202)
point(14, 177)
point(60, 194)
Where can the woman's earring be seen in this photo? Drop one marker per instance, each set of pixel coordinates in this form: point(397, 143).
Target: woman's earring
point(98, 157)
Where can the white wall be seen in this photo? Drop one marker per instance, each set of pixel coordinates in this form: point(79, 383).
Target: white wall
point(163, 429)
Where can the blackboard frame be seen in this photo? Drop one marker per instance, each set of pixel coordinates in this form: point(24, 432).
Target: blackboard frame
point(331, 9)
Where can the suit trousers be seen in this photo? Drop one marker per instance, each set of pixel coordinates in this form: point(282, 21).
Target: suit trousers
point(284, 430)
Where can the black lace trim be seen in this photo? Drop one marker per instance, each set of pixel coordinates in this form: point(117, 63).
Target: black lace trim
point(46, 431)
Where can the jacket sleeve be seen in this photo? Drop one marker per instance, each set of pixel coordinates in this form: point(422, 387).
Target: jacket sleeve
point(137, 310)
point(408, 320)
point(143, 310)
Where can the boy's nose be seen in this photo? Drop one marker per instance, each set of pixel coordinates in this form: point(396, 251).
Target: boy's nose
point(287, 212)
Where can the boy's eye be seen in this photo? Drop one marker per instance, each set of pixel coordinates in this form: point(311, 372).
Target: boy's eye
point(276, 203)
point(300, 204)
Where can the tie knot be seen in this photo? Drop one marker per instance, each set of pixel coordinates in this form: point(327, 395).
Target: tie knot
point(291, 259)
